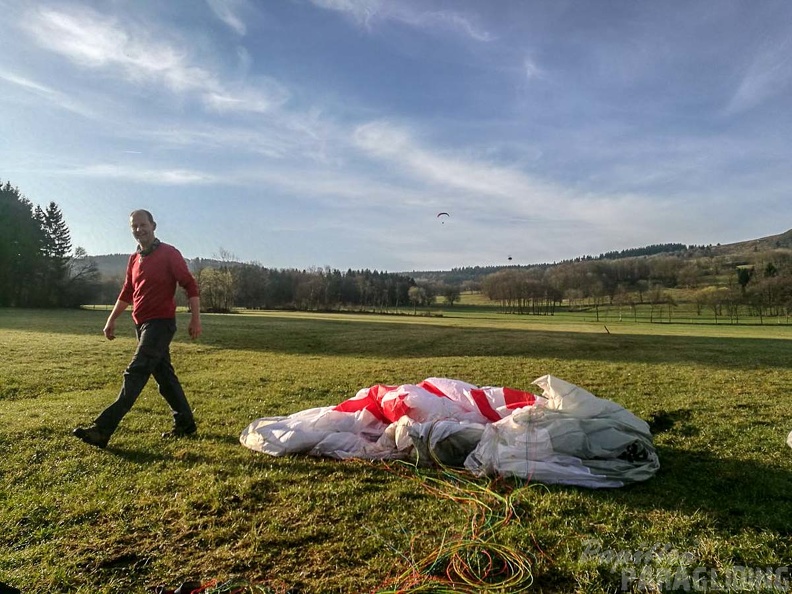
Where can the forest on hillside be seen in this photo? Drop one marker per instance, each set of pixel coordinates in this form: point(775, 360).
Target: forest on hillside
point(755, 279)
point(39, 268)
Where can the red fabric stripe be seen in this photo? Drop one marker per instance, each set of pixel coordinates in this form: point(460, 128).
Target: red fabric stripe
point(429, 387)
point(485, 408)
point(517, 398)
point(396, 408)
point(371, 402)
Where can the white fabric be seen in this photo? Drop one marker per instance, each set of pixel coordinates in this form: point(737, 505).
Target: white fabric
point(575, 439)
point(565, 436)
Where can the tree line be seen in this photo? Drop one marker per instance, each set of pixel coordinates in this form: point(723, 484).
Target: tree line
point(257, 287)
point(38, 268)
point(757, 284)
point(37, 265)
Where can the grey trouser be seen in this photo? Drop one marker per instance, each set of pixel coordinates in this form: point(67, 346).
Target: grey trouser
point(152, 357)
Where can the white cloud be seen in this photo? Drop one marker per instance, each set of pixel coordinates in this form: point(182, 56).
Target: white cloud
point(168, 177)
point(27, 84)
point(52, 96)
point(531, 69)
point(245, 60)
point(383, 140)
point(360, 10)
point(288, 136)
point(92, 40)
point(226, 12)
point(365, 12)
point(340, 188)
point(445, 19)
point(769, 74)
point(267, 96)
point(502, 192)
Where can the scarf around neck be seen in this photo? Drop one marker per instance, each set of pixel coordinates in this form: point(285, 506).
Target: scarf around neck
point(154, 245)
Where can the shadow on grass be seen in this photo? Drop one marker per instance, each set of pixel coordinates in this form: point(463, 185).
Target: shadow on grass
point(410, 340)
point(385, 338)
point(734, 494)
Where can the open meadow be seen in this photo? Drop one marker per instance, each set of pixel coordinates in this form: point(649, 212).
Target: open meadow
point(147, 512)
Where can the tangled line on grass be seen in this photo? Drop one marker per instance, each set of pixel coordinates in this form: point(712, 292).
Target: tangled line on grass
point(475, 561)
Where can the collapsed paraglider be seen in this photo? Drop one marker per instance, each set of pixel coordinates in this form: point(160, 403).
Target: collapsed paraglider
point(565, 436)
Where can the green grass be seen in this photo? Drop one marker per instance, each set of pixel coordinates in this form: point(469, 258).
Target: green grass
point(147, 512)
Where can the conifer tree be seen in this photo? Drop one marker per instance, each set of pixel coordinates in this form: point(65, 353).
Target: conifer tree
point(56, 250)
point(21, 243)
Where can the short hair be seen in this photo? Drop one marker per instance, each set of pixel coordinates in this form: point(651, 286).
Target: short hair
point(144, 211)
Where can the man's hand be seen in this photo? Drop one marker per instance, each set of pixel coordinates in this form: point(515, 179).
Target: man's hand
point(109, 330)
point(194, 327)
point(195, 317)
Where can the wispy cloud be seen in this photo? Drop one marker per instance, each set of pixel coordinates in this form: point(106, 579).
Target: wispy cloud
point(268, 95)
point(386, 141)
point(366, 12)
point(92, 40)
point(27, 84)
point(226, 11)
point(52, 96)
point(497, 191)
point(301, 137)
point(359, 10)
point(769, 74)
point(444, 19)
point(531, 69)
point(338, 188)
point(168, 177)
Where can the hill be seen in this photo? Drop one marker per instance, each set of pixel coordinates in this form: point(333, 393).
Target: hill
point(114, 265)
point(735, 252)
point(111, 265)
point(771, 242)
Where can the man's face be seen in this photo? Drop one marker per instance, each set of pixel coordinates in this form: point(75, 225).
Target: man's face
point(142, 229)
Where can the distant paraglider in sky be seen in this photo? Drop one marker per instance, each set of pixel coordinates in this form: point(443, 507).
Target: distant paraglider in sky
point(442, 214)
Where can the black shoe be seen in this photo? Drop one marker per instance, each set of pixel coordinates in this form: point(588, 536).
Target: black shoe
point(178, 432)
point(92, 436)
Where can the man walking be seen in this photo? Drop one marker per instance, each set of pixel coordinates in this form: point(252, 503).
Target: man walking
point(152, 274)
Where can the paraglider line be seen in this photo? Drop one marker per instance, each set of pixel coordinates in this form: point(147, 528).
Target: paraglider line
point(475, 562)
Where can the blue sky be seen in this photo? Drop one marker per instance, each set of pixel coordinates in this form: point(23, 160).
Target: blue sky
point(312, 133)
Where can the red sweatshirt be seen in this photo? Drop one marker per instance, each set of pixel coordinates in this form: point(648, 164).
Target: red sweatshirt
point(150, 284)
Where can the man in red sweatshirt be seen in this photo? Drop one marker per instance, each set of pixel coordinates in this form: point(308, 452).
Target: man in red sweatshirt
point(152, 275)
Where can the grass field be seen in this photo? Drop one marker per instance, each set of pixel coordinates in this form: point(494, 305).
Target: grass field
point(147, 512)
